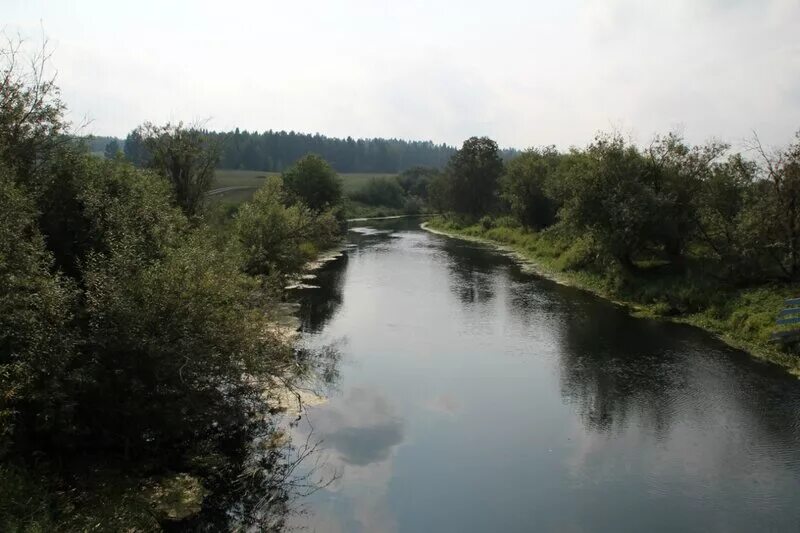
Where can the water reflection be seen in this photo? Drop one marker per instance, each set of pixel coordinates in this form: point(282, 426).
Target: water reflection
point(476, 397)
point(471, 276)
point(613, 365)
point(359, 433)
point(362, 428)
point(319, 305)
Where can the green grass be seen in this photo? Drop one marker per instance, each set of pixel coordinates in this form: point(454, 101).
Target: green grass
point(355, 182)
point(236, 196)
point(249, 178)
point(254, 178)
point(742, 317)
point(354, 209)
point(240, 178)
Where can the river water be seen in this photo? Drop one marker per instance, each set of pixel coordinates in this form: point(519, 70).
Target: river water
point(475, 397)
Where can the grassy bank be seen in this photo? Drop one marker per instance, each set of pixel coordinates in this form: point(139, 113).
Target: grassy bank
point(742, 317)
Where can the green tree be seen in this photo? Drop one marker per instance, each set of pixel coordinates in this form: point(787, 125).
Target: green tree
point(605, 192)
point(276, 234)
point(381, 191)
point(32, 121)
point(170, 341)
point(135, 149)
point(312, 181)
point(36, 344)
point(128, 336)
point(112, 150)
point(676, 173)
point(779, 207)
point(440, 194)
point(415, 180)
point(728, 219)
point(474, 171)
point(187, 157)
point(525, 186)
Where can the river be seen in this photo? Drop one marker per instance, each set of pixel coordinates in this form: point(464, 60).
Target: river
point(473, 396)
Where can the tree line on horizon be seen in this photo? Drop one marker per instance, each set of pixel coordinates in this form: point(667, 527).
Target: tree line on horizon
point(274, 151)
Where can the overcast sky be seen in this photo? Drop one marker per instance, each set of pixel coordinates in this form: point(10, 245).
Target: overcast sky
point(524, 72)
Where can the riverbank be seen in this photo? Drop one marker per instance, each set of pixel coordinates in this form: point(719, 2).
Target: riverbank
point(742, 318)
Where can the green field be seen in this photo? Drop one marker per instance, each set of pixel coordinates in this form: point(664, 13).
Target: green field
point(354, 182)
point(239, 178)
point(255, 178)
point(248, 178)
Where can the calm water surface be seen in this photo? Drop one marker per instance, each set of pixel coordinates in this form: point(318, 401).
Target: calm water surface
point(475, 397)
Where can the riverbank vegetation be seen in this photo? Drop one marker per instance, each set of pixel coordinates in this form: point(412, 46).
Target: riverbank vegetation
point(140, 352)
point(700, 234)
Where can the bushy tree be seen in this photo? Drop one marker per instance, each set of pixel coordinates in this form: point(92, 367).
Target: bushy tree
point(676, 173)
point(276, 232)
point(312, 181)
point(728, 218)
point(112, 149)
point(525, 186)
point(415, 181)
point(473, 172)
point(32, 121)
point(187, 157)
point(779, 207)
point(36, 306)
point(171, 341)
point(381, 191)
point(135, 149)
point(605, 192)
point(439, 195)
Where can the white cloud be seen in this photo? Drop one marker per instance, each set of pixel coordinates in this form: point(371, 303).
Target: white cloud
point(525, 73)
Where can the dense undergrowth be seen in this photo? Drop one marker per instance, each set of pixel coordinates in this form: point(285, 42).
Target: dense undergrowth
point(143, 357)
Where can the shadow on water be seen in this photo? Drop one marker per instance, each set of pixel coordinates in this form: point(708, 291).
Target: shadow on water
point(471, 274)
point(319, 305)
point(261, 476)
point(478, 396)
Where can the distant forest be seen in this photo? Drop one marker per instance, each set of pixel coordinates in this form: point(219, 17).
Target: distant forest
point(274, 151)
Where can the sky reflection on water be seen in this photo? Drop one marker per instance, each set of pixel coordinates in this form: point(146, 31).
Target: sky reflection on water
point(474, 397)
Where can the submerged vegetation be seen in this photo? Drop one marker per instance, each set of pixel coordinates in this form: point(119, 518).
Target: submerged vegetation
point(140, 352)
point(694, 233)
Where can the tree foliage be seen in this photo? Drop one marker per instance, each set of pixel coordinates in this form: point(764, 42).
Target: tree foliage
point(381, 191)
point(415, 181)
point(36, 308)
point(133, 340)
point(779, 206)
point(313, 181)
point(735, 216)
point(605, 191)
point(525, 187)
point(473, 173)
point(278, 234)
point(112, 149)
point(32, 121)
point(275, 151)
point(187, 157)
